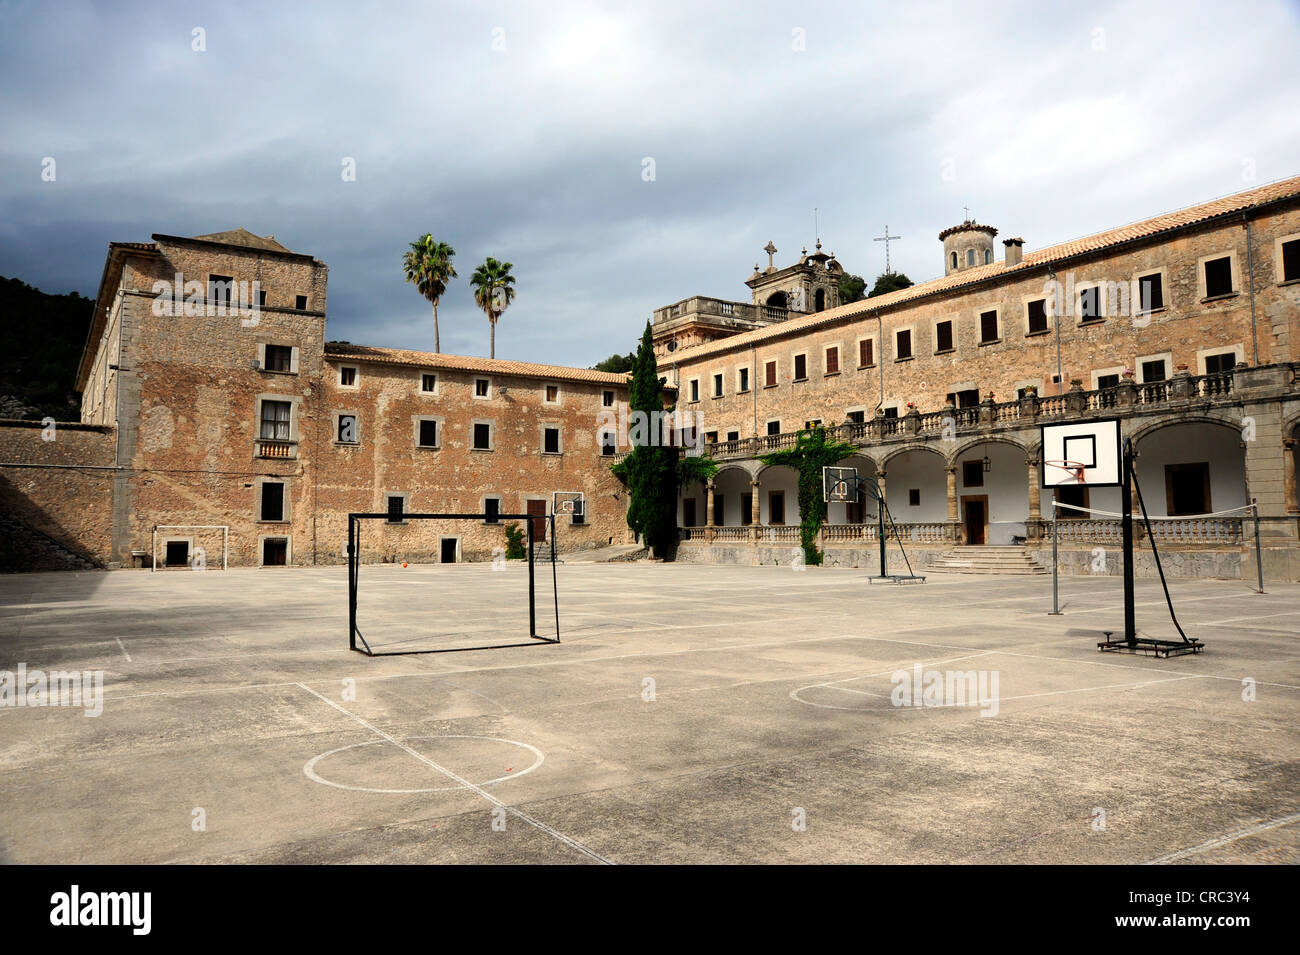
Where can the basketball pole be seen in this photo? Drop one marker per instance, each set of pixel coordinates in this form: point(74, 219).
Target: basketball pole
point(1126, 523)
point(1056, 564)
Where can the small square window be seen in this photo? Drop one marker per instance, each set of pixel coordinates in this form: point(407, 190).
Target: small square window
point(396, 508)
point(346, 432)
point(579, 515)
point(857, 417)
point(769, 374)
point(744, 380)
point(1291, 261)
point(1153, 370)
point(428, 433)
point(800, 367)
point(1219, 364)
point(943, 336)
point(1090, 304)
point(833, 360)
point(482, 388)
point(300, 303)
point(989, 326)
point(552, 394)
point(428, 383)
point(773, 427)
point(551, 440)
point(347, 377)
point(914, 497)
point(1218, 277)
point(272, 501)
point(717, 386)
point(491, 510)
point(972, 473)
point(261, 298)
point(1151, 293)
point(279, 358)
point(607, 399)
point(608, 443)
point(1037, 311)
point(276, 421)
point(482, 437)
point(220, 289)
point(904, 343)
point(733, 435)
point(866, 353)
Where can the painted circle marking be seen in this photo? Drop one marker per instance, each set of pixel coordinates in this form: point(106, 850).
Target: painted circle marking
point(309, 768)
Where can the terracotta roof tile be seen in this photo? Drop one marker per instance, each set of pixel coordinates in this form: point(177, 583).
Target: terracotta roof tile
point(973, 276)
point(338, 351)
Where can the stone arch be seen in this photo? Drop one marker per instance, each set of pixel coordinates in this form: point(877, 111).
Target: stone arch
point(1206, 418)
point(1181, 477)
point(970, 443)
point(819, 300)
point(883, 463)
point(778, 300)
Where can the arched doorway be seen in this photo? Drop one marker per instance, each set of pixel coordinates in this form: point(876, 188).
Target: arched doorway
point(777, 300)
point(819, 300)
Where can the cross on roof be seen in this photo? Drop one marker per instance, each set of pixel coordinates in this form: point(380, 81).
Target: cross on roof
point(771, 250)
point(887, 238)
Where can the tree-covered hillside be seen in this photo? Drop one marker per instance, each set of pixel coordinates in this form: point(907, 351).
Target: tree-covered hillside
point(41, 337)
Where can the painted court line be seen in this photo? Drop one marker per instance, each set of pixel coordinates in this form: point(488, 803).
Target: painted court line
point(123, 649)
point(477, 790)
point(1226, 839)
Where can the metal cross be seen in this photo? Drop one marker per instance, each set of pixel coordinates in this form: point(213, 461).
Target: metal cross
point(887, 238)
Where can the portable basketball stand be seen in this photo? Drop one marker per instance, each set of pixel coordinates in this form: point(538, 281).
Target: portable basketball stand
point(832, 480)
point(1078, 464)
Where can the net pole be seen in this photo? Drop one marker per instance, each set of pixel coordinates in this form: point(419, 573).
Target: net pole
point(880, 516)
point(555, 587)
point(532, 588)
point(1259, 554)
point(352, 583)
point(1056, 563)
point(1126, 524)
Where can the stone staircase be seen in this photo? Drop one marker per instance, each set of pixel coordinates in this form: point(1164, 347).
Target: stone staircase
point(23, 548)
point(988, 559)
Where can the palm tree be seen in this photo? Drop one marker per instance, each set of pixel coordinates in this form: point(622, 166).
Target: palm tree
point(428, 265)
point(493, 292)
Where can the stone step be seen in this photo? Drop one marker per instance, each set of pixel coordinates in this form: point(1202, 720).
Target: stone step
point(989, 559)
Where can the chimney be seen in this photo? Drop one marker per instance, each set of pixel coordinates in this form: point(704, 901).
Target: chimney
point(1015, 247)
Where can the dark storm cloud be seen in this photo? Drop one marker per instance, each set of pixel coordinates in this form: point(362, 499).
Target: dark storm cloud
point(520, 132)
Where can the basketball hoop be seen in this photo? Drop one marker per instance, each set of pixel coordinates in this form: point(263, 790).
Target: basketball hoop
point(566, 507)
point(1075, 467)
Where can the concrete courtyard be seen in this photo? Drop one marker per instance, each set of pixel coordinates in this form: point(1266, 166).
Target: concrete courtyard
point(692, 714)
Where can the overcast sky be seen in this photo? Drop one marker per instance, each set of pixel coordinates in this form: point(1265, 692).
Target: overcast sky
point(522, 131)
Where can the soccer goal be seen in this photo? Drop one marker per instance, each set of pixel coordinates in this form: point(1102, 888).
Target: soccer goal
point(439, 583)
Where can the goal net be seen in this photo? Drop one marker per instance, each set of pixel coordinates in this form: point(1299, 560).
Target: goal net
point(434, 583)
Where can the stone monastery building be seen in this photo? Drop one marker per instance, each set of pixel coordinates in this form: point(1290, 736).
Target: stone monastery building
point(202, 421)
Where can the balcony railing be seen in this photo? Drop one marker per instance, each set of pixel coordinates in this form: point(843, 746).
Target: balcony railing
point(1166, 530)
point(276, 449)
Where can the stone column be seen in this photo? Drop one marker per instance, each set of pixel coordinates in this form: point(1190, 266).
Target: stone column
point(708, 505)
point(1034, 529)
point(756, 502)
point(1289, 476)
point(953, 519)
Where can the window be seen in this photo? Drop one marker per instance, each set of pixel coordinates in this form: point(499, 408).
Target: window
point(1218, 277)
point(970, 257)
point(280, 358)
point(1107, 381)
point(551, 440)
point(1153, 370)
point(579, 515)
point(688, 512)
point(800, 367)
point(482, 388)
point(866, 356)
point(345, 431)
point(988, 256)
point(300, 303)
point(719, 509)
point(733, 435)
point(220, 289)
point(482, 436)
point(176, 553)
point(608, 444)
point(427, 433)
point(743, 384)
point(1037, 314)
point(1220, 364)
point(968, 398)
point(491, 510)
point(717, 386)
point(428, 383)
point(1187, 489)
point(1090, 304)
point(272, 508)
point(769, 374)
point(396, 508)
point(694, 389)
point(857, 417)
point(347, 375)
point(943, 337)
point(812, 423)
point(988, 326)
point(275, 420)
point(1291, 261)
point(1076, 496)
point(747, 508)
point(953, 260)
point(903, 344)
point(261, 298)
point(776, 507)
point(914, 497)
point(710, 437)
point(1151, 293)
point(607, 399)
point(891, 411)
point(972, 473)
point(833, 360)
point(773, 427)
point(552, 394)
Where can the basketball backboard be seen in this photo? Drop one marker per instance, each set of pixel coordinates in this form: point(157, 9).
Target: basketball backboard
point(839, 484)
point(1085, 452)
